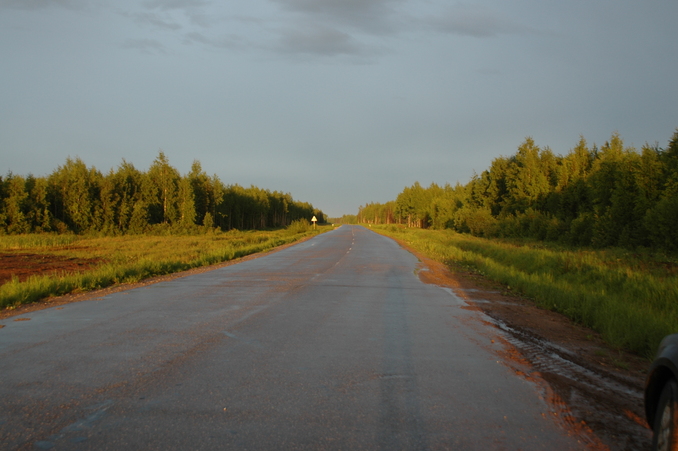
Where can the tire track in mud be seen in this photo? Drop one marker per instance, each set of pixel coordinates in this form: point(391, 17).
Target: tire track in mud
point(600, 401)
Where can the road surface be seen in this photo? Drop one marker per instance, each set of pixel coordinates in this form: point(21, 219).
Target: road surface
point(333, 343)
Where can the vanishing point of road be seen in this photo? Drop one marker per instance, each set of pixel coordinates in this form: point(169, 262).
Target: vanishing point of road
point(333, 343)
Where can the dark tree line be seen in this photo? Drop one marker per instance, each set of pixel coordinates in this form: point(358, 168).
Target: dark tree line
point(75, 198)
point(608, 196)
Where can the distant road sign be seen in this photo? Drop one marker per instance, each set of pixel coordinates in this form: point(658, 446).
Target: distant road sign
point(314, 219)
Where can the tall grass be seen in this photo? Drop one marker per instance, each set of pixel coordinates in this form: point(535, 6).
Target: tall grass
point(632, 300)
point(133, 258)
point(36, 240)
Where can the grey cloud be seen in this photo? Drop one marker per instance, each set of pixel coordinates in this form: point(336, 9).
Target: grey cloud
point(190, 8)
point(474, 21)
point(227, 42)
point(152, 19)
point(371, 16)
point(149, 46)
point(40, 4)
point(200, 19)
point(318, 40)
point(333, 28)
point(166, 5)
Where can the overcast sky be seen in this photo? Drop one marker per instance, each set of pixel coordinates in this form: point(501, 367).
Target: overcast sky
point(339, 102)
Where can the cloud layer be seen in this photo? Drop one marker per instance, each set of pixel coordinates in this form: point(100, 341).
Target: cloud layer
point(42, 4)
point(475, 21)
point(366, 16)
point(316, 28)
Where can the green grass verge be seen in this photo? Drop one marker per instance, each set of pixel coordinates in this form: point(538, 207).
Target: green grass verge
point(631, 299)
point(131, 258)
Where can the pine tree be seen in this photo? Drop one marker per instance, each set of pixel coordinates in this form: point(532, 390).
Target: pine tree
point(161, 191)
point(75, 193)
point(38, 210)
point(15, 204)
point(186, 204)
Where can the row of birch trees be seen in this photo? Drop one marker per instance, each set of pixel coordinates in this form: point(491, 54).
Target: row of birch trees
point(609, 196)
point(80, 199)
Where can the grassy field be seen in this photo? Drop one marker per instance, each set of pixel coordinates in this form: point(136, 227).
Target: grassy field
point(131, 258)
point(630, 298)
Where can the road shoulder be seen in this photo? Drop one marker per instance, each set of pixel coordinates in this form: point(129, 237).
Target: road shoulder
point(600, 387)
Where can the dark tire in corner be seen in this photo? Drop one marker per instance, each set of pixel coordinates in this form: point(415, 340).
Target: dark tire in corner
point(666, 419)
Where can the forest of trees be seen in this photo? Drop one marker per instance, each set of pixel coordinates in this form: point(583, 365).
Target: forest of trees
point(608, 196)
point(78, 199)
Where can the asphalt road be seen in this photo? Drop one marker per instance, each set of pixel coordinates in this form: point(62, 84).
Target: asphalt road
point(333, 343)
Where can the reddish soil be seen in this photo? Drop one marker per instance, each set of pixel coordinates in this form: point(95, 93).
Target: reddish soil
point(25, 265)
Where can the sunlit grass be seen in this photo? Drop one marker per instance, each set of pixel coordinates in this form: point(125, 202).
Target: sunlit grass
point(36, 240)
point(131, 258)
point(631, 299)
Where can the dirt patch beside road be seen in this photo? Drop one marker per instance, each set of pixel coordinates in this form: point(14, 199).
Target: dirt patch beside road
point(594, 389)
point(25, 265)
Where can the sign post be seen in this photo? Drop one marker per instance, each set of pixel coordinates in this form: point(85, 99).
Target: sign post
point(314, 220)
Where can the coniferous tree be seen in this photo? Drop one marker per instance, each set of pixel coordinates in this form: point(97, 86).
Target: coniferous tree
point(38, 212)
point(161, 191)
point(15, 204)
point(186, 204)
point(75, 195)
point(201, 186)
point(128, 185)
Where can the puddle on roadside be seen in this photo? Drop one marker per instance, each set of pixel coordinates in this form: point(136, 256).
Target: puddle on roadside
point(594, 404)
point(465, 303)
point(457, 299)
point(475, 290)
point(549, 357)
